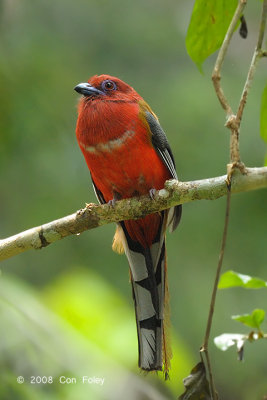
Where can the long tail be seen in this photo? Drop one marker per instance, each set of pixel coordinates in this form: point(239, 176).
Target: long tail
point(144, 245)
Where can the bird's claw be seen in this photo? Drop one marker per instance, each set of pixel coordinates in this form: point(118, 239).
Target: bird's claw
point(116, 197)
point(112, 202)
point(152, 193)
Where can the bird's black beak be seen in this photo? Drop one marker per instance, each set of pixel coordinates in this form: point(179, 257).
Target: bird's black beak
point(87, 90)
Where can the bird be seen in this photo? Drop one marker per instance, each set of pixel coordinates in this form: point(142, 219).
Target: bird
point(128, 155)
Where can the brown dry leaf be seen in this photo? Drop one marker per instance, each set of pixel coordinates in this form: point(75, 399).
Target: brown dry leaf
point(196, 384)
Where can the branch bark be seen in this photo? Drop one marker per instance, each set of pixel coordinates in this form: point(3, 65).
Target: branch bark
point(94, 215)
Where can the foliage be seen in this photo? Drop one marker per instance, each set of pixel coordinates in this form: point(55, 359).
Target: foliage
point(253, 320)
point(232, 279)
point(208, 25)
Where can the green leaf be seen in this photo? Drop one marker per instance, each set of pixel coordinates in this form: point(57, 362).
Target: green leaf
point(263, 116)
point(231, 279)
point(253, 320)
point(226, 340)
point(208, 25)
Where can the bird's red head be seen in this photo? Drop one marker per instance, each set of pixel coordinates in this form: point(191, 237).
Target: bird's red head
point(107, 88)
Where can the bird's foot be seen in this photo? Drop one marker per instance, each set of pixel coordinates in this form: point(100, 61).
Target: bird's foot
point(116, 197)
point(112, 202)
point(152, 193)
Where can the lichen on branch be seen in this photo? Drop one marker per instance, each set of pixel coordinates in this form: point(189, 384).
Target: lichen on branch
point(95, 215)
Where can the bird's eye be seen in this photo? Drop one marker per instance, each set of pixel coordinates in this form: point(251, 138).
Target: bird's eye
point(109, 85)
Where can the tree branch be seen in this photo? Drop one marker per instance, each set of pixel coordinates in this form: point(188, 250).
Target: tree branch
point(94, 215)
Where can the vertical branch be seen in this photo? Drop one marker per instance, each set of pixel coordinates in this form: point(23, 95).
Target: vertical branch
point(233, 123)
point(216, 78)
point(204, 347)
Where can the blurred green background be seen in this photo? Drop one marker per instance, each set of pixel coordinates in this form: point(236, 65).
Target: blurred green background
point(67, 310)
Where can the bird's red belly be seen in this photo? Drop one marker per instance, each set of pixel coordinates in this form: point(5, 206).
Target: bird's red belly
point(128, 170)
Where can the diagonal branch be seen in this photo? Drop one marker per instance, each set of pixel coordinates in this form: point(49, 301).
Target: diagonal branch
point(216, 75)
point(255, 58)
point(94, 215)
point(233, 121)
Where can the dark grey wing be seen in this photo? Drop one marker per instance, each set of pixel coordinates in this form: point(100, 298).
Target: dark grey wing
point(161, 144)
point(162, 147)
point(98, 194)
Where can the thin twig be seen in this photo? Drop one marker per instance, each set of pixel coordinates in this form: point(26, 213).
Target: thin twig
point(255, 58)
point(204, 347)
point(233, 121)
point(216, 75)
point(262, 25)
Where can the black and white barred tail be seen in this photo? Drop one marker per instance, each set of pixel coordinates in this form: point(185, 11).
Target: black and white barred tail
point(150, 293)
